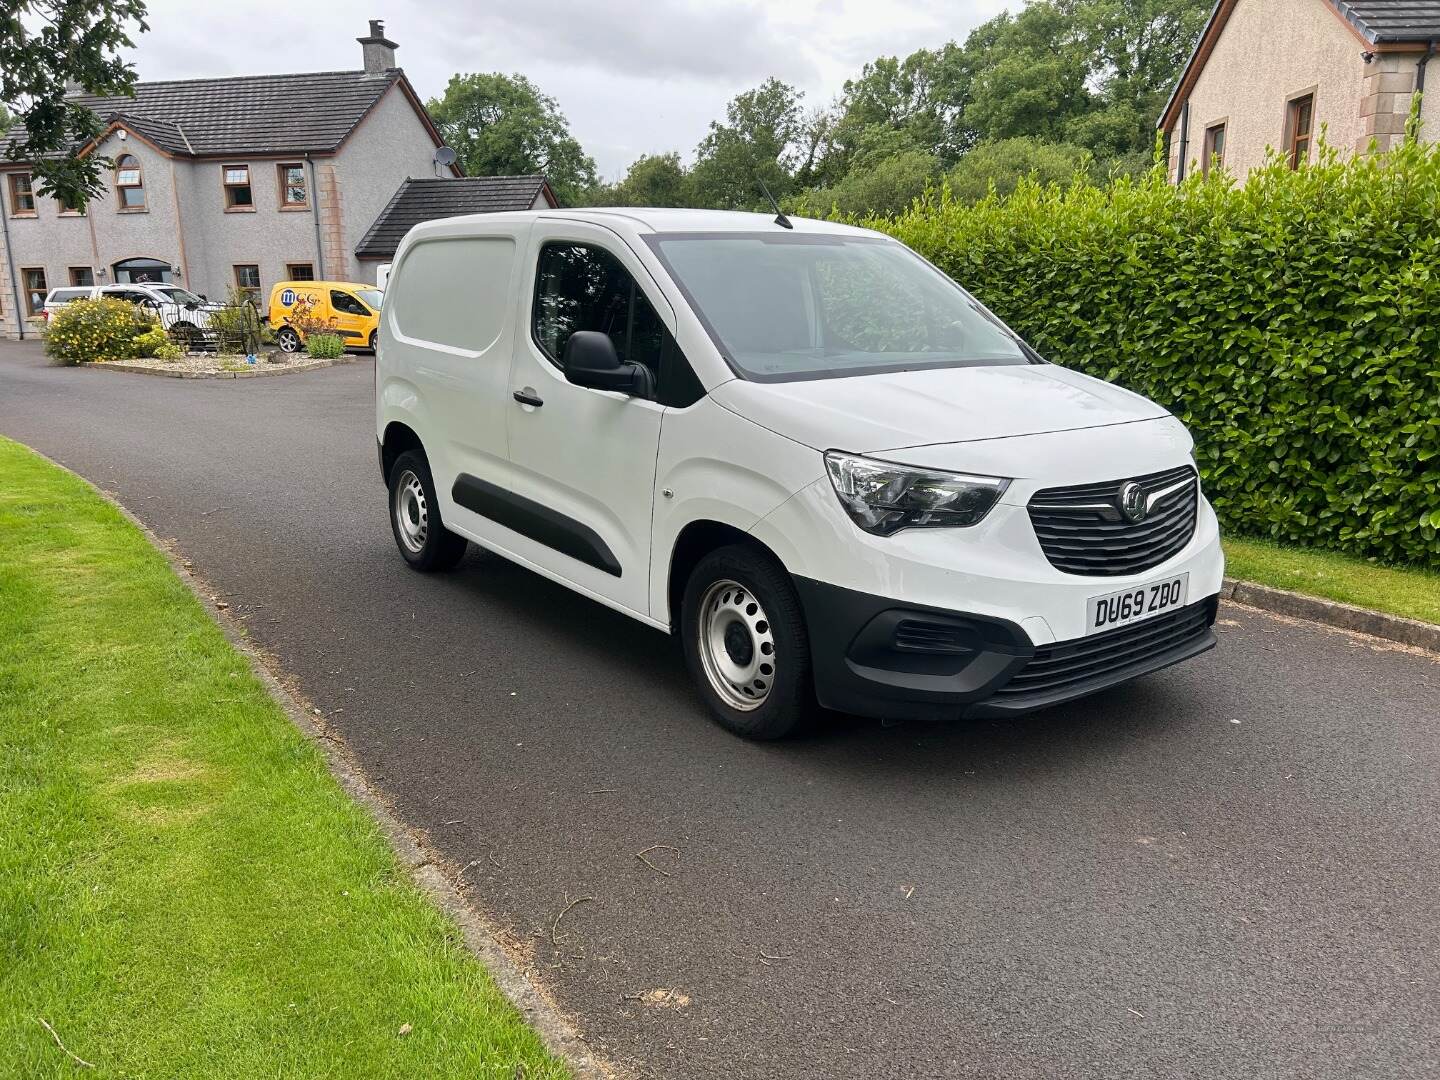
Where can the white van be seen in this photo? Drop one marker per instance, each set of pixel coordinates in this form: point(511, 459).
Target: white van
point(178, 310)
point(824, 465)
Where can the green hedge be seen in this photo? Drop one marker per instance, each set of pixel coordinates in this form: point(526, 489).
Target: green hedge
point(1293, 324)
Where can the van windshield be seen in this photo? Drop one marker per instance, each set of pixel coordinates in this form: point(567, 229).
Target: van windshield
point(179, 295)
point(800, 306)
point(372, 298)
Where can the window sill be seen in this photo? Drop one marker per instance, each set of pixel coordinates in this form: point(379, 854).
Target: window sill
point(240, 210)
point(132, 210)
point(66, 213)
point(295, 209)
point(23, 214)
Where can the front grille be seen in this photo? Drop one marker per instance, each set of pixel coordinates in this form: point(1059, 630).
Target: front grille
point(1082, 531)
point(1070, 664)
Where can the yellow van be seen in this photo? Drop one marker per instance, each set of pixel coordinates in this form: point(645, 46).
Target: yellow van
point(346, 308)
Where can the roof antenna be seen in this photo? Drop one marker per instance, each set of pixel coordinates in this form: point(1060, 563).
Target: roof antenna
point(780, 218)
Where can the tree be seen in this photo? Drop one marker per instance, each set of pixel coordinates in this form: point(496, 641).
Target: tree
point(1137, 49)
point(45, 44)
point(886, 186)
point(5, 120)
point(915, 104)
point(755, 145)
point(1031, 74)
point(1005, 162)
point(502, 125)
point(652, 180)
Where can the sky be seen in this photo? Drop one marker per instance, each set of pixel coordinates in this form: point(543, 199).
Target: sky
point(632, 77)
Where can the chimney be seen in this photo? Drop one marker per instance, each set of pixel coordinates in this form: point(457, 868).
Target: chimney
point(379, 50)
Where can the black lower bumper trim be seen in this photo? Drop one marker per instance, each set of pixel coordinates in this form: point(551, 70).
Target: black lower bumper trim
point(875, 657)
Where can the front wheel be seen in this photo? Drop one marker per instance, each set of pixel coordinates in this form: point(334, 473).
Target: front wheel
point(288, 340)
point(374, 340)
point(421, 536)
point(746, 644)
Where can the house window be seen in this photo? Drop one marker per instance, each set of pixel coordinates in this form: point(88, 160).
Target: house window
point(35, 289)
point(1300, 124)
point(82, 275)
point(238, 195)
point(293, 193)
point(22, 195)
point(1214, 147)
point(247, 280)
point(129, 183)
point(300, 271)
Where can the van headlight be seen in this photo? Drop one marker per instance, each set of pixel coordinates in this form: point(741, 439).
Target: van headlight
point(883, 498)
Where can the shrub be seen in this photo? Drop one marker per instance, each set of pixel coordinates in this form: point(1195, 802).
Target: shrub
point(85, 331)
point(154, 342)
point(236, 324)
point(1293, 324)
point(325, 346)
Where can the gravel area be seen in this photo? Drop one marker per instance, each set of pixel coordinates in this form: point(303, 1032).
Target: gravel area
point(213, 366)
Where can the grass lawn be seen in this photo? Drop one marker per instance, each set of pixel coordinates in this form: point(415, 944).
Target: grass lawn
point(184, 889)
point(1414, 594)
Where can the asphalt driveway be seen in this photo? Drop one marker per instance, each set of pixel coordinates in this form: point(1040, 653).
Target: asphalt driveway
point(1230, 869)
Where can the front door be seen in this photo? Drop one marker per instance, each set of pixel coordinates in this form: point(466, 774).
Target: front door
point(351, 317)
point(582, 461)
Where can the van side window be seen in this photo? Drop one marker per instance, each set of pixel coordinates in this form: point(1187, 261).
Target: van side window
point(346, 304)
point(584, 287)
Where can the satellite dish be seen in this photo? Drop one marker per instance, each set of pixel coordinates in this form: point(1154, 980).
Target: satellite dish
point(444, 156)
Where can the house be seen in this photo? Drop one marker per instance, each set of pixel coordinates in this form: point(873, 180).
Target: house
point(224, 182)
point(426, 199)
point(1283, 74)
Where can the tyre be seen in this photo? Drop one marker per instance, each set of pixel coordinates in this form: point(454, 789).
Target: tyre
point(746, 645)
point(288, 340)
point(421, 536)
point(374, 340)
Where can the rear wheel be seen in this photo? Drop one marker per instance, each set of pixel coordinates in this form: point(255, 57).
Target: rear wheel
point(421, 536)
point(288, 340)
point(746, 644)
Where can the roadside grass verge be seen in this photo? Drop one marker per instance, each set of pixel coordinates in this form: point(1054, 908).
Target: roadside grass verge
point(1413, 593)
point(185, 891)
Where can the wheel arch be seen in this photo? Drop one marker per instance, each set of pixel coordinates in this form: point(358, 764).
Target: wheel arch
point(696, 540)
point(399, 438)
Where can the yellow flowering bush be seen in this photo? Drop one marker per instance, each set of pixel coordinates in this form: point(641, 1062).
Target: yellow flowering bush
point(84, 331)
point(156, 342)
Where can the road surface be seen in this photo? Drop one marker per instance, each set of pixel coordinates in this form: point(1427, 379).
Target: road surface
point(1230, 869)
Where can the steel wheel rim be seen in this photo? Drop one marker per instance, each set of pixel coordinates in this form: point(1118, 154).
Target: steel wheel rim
point(411, 512)
point(737, 645)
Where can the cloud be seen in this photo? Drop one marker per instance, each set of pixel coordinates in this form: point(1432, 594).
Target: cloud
point(632, 76)
point(657, 39)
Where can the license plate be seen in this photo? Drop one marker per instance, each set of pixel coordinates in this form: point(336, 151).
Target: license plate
point(1135, 605)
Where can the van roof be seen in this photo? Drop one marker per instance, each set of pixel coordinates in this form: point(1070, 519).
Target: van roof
point(321, 284)
point(645, 219)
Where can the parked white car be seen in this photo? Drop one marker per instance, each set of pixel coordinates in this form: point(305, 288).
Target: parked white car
point(799, 446)
point(177, 309)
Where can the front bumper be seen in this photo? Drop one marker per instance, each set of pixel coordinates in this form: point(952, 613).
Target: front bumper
point(877, 657)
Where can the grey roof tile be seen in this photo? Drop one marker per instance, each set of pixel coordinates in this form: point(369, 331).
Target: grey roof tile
point(1384, 22)
point(311, 112)
point(426, 199)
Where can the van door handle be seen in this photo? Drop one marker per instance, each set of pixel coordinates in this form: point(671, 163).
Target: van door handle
point(525, 397)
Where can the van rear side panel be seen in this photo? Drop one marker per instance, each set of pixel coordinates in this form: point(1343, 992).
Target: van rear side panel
point(446, 337)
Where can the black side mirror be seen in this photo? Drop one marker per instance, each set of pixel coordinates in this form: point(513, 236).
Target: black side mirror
point(591, 360)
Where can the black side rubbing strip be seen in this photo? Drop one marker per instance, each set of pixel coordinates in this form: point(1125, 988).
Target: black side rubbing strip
point(539, 523)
